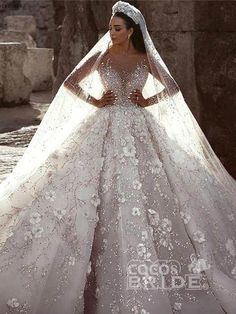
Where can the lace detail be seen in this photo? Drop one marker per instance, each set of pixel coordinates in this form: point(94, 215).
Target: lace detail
point(123, 80)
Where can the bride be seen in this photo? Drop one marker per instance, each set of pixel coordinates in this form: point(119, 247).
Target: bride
point(119, 204)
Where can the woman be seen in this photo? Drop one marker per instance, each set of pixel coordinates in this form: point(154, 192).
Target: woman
point(119, 204)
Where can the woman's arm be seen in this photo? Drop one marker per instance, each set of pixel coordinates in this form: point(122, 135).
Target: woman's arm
point(174, 88)
point(157, 97)
point(72, 82)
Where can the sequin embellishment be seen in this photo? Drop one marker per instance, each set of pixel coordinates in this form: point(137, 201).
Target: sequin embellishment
point(123, 81)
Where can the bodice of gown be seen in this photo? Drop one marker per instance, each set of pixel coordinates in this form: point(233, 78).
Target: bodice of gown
point(122, 75)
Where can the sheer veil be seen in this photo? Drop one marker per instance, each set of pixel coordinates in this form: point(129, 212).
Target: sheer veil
point(193, 169)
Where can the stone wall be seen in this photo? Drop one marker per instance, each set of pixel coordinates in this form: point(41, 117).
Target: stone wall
point(43, 12)
point(197, 40)
point(215, 66)
point(48, 14)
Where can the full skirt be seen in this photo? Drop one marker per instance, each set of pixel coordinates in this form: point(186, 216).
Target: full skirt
point(114, 227)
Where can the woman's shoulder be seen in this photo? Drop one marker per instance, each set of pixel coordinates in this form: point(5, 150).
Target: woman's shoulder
point(136, 56)
point(144, 59)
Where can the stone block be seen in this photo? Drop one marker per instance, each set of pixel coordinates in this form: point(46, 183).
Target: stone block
point(15, 87)
point(7, 36)
point(21, 23)
point(39, 68)
point(169, 15)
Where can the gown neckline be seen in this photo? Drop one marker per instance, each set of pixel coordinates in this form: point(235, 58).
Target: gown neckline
point(122, 55)
point(108, 60)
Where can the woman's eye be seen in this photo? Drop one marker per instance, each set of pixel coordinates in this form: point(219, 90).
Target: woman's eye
point(117, 30)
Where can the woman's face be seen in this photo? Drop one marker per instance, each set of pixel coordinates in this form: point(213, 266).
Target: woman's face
point(118, 31)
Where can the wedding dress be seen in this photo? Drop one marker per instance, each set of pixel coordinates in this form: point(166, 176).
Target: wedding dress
point(124, 210)
point(117, 169)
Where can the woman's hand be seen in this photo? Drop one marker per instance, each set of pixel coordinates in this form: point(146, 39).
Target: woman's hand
point(108, 98)
point(137, 98)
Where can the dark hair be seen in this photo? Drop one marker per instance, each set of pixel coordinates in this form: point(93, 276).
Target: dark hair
point(137, 36)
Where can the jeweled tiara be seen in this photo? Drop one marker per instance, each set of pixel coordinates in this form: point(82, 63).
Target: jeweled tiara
point(128, 9)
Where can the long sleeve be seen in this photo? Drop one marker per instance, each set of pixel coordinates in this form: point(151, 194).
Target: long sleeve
point(157, 97)
point(72, 82)
point(165, 78)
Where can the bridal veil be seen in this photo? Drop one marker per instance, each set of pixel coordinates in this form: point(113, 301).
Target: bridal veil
point(195, 173)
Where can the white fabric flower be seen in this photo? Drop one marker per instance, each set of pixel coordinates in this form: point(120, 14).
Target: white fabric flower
point(164, 242)
point(230, 247)
point(37, 231)
point(137, 184)
point(186, 217)
point(129, 139)
point(199, 236)
point(129, 150)
point(35, 218)
point(103, 230)
point(153, 217)
point(144, 235)
point(198, 265)
point(28, 235)
point(178, 156)
point(156, 166)
point(144, 197)
point(151, 232)
point(177, 306)
point(141, 249)
point(205, 286)
point(115, 309)
point(95, 200)
point(147, 279)
point(50, 195)
point(105, 243)
point(135, 161)
point(13, 303)
point(71, 261)
point(10, 234)
point(135, 309)
point(166, 225)
point(123, 141)
point(142, 136)
point(122, 159)
point(105, 188)
point(143, 311)
point(59, 213)
point(136, 211)
point(155, 170)
point(233, 272)
point(121, 197)
point(147, 255)
point(231, 217)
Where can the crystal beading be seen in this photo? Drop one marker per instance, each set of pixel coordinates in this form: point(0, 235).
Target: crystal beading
point(128, 9)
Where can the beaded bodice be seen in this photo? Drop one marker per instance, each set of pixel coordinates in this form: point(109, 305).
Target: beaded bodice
point(122, 75)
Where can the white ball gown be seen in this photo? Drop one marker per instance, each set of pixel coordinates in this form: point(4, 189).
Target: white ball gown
point(149, 246)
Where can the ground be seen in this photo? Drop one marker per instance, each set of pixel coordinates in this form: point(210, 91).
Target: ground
point(17, 127)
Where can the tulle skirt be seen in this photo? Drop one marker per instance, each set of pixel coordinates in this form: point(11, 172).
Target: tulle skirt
point(117, 225)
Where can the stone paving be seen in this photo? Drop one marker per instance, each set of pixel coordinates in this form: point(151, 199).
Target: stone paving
point(17, 127)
